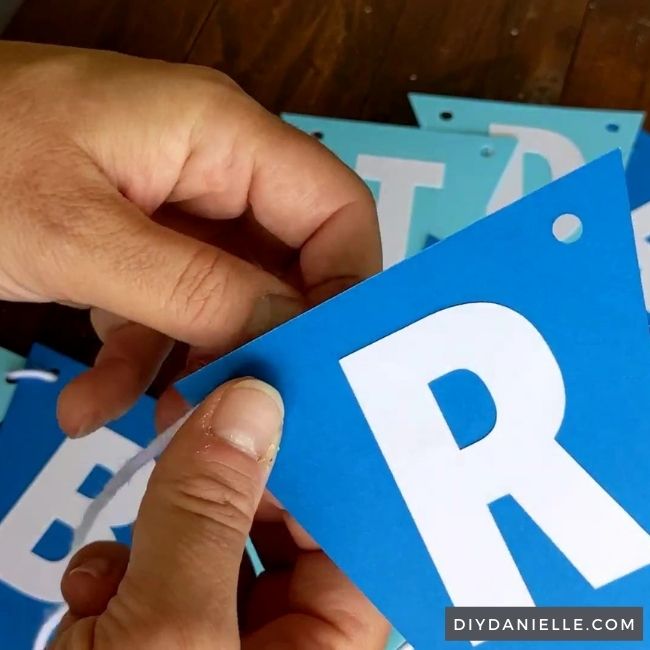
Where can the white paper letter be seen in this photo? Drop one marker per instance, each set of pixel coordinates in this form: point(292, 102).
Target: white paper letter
point(53, 495)
point(398, 179)
point(561, 154)
point(641, 222)
point(447, 489)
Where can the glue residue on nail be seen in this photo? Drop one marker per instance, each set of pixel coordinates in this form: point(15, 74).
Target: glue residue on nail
point(242, 441)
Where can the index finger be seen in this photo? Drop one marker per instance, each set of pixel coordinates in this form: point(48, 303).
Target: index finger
point(297, 190)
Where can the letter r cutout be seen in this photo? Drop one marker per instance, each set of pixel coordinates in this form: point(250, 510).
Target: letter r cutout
point(448, 490)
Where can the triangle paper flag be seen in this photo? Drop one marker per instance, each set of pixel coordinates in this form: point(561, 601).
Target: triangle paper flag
point(470, 427)
point(551, 140)
point(425, 184)
point(46, 484)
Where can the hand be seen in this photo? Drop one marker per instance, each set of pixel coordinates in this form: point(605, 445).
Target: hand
point(177, 589)
point(166, 199)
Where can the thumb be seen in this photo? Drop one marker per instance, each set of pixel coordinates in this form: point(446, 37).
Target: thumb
point(114, 257)
point(197, 513)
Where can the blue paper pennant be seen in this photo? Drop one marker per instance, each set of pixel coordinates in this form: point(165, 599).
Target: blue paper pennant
point(559, 491)
point(46, 482)
point(427, 185)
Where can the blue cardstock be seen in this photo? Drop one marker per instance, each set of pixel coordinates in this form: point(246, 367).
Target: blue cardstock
point(552, 140)
point(8, 361)
point(35, 534)
point(638, 171)
point(638, 186)
point(426, 184)
point(584, 300)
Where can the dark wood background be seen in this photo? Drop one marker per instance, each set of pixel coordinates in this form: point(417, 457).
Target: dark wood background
point(354, 59)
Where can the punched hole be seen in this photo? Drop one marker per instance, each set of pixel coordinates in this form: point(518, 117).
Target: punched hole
point(612, 127)
point(567, 228)
point(319, 135)
point(487, 151)
point(446, 115)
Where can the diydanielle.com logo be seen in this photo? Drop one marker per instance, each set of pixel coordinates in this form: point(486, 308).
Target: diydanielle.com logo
point(544, 623)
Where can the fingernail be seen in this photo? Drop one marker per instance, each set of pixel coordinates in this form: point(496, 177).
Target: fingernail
point(86, 426)
point(96, 567)
point(249, 416)
point(270, 311)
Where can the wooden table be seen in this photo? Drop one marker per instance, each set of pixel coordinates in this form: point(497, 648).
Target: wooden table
point(354, 59)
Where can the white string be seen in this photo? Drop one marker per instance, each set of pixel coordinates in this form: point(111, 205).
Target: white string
point(49, 376)
point(121, 478)
point(48, 628)
point(112, 487)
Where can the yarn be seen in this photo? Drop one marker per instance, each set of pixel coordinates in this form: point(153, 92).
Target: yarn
point(97, 505)
point(39, 374)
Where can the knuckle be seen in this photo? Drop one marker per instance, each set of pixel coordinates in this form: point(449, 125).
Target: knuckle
point(213, 92)
point(220, 500)
point(226, 177)
point(217, 79)
point(204, 76)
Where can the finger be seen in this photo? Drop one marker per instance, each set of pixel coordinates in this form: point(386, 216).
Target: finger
point(274, 545)
point(300, 536)
point(322, 608)
point(319, 603)
point(298, 191)
point(170, 408)
point(146, 273)
point(93, 576)
point(270, 509)
point(268, 599)
point(104, 323)
point(245, 583)
point(244, 237)
point(197, 512)
point(278, 538)
point(270, 312)
point(125, 367)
